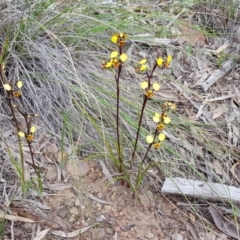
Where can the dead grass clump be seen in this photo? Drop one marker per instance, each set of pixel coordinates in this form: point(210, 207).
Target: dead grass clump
point(219, 16)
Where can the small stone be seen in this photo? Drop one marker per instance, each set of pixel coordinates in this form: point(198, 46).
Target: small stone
point(108, 208)
point(123, 222)
point(123, 234)
point(222, 236)
point(237, 33)
point(100, 218)
point(77, 224)
point(88, 214)
point(63, 212)
point(74, 211)
point(114, 189)
point(113, 197)
point(177, 236)
point(192, 217)
point(115, 214)
point(71, 219)
point(121, 213)
point(51, 173)
point(62, 157)
point(149, 235)
point(117, 229)
point(77, 202)
point(52, 148)
point(93, 164)
point(27, 225)
point(99, 206)
point(68, 202)
point(109, 231)
point(92, 176)
point(56, 220)
point(176, 211)
point(97, 233)
point(77, 168)
point(129, 227)
point(100, 195)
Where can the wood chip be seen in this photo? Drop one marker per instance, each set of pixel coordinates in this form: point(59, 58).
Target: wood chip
point(217, 167)
point(57, 186)
point(233, 172)
point(236, 110)
point(219, 50)
point(37, 204)
point(217, 112)
point(106, 171)
point(41, 234)
point(190, 33)
point(15, 218)
point(89, 195)
point(217, 74)
point(223, 225)
point(221, 98)
point(201, 190)
point(74, 233)
point(197, 105)
point(150, 40)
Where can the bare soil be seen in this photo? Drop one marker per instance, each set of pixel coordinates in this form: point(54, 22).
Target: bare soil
point(104, 211)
